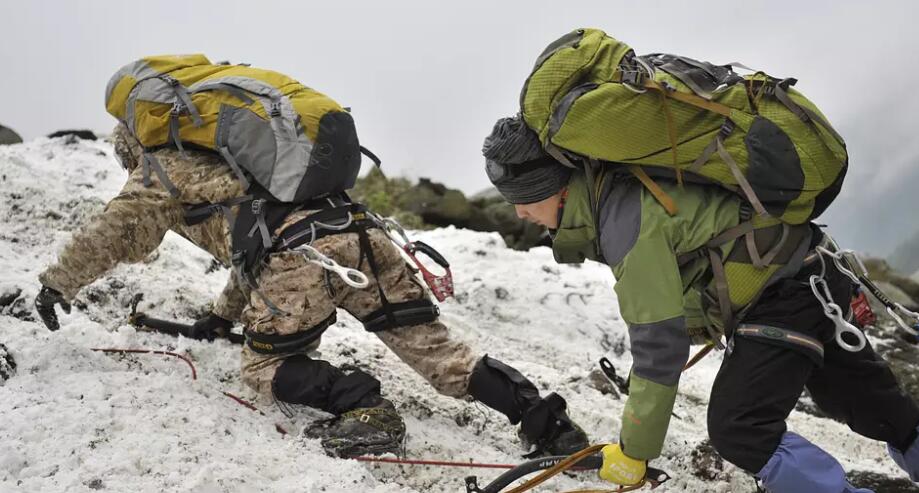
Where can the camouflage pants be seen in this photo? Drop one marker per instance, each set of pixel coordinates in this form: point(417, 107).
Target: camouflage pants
point(303, 290)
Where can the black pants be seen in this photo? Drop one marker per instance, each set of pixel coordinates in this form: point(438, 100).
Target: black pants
point(760, 382)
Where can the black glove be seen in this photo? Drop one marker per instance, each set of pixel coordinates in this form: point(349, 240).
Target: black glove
point(210, 327)
point(44, 305)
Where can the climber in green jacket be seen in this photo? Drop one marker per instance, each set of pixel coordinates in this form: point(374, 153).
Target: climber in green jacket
point(679, 279)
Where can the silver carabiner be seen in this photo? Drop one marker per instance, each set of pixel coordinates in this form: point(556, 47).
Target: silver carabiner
point(835, 313)
point(351, 277)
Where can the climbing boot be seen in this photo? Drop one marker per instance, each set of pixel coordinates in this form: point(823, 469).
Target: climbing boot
point(546, 429)
point(544, 422)
point(373, 430)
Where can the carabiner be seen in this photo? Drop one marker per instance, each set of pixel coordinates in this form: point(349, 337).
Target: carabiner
point(351, 277)
point(837, 316)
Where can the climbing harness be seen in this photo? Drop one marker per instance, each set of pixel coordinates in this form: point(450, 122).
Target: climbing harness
point(352, 277)
point(441, 286)
point(850, 265)
point(355, 218)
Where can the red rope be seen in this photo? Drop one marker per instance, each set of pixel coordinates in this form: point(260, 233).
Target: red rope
point(419, 462)
point(194, 373)
point(250, 406)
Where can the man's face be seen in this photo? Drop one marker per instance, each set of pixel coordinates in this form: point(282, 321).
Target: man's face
point(544, 212)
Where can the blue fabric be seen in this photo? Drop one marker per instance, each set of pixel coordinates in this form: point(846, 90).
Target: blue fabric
point(799, 466)
point(908, 461)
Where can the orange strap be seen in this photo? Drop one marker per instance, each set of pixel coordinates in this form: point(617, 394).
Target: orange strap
point(665, 200)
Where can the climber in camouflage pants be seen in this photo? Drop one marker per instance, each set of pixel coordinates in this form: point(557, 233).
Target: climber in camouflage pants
point(275, 359)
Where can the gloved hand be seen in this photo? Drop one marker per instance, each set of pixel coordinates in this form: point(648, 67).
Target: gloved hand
point(44, 305)
point(210, 327)
point(621, 469)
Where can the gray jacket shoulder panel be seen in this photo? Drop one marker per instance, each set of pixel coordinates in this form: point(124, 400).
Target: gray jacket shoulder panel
point(620, 220)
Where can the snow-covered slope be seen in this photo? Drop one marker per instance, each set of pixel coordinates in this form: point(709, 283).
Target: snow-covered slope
point(77, 420)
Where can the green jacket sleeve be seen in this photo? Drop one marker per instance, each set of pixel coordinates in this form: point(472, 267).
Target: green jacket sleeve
point(651, 298)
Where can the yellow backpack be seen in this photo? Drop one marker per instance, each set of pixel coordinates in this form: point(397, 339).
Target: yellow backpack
point(295, 142)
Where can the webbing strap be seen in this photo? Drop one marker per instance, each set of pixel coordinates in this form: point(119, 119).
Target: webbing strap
point(691, 99)
point(725, 236)
point(765, 260)
point(726, 128)
point(665, 200)
point(741, 179)
point(197, 214)
point(225, 152)
point(721, 288)
point(247, 281)
point(780, 335)
point(730, 234)
point(235, 91)
point(302, 231)
point(174, 131)
point(183, 96)
point(258, 208)
point(559, 156)
point(671, 132)
point(705, 156)
point(804, 114)
point(367, 252)
point(150, 161)
point(288, 343)
point(406, 313)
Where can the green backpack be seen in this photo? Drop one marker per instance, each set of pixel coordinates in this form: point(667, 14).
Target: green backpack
point(590, 98)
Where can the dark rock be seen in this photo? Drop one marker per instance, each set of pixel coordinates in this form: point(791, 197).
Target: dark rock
point(8, 136)
point(501, 293)
point(880, 483)
point(7, 364)
point(598, 381)
point(706, 463)
point(95, 484)
point(431, 204)
point(73, 135)
point(8, 296)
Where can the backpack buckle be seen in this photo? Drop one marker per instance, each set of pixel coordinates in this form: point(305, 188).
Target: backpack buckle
point(275, 109)
point(258, 206)
point(726, 128)
point(172, 81)
point(178, 108)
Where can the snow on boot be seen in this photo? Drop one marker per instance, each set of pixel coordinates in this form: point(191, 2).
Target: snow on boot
point(7, 364)
point(908, 460)
point(799, 466)
point(372, 430)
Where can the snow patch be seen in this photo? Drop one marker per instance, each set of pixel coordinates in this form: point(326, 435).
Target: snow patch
point(79, 420)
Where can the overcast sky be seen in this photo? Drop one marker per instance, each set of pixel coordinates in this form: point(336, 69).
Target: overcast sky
point(427, 79)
